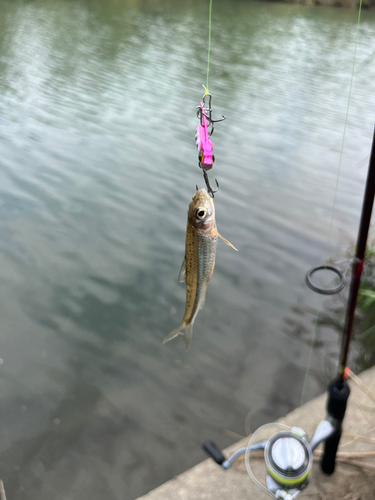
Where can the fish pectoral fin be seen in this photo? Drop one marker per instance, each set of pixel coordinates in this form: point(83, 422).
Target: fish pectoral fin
point(182, 329)
point(227, 242)
point(182, 273)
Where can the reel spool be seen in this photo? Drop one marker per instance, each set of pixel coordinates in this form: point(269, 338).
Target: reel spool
point(288, 461)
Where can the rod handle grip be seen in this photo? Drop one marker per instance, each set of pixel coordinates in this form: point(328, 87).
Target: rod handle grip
point(329, 452)
point(214, 452)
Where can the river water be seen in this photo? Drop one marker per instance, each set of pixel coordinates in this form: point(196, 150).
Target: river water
point(98, 165)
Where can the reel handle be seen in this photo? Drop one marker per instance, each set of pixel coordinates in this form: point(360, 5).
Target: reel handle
point(213, 450)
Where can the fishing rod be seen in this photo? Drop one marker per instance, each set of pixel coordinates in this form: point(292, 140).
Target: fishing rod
point(287, 453)
point(338, 389)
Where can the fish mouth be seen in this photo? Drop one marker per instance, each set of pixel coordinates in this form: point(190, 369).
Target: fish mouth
point(201, 197)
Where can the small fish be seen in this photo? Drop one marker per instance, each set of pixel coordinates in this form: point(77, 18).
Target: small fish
point(199, 261)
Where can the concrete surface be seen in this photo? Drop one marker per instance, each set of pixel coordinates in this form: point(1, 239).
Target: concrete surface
point(208, 481)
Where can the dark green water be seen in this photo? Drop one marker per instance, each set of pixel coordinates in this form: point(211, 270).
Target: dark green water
point(98, 165)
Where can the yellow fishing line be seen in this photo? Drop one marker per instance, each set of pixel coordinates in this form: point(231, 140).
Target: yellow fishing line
point(333, 211)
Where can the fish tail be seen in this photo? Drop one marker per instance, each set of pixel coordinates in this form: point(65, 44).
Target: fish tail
point(183, 329)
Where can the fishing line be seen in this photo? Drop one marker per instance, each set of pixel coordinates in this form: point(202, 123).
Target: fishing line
point(209, 45)
point(345, 125)
point(320, 306)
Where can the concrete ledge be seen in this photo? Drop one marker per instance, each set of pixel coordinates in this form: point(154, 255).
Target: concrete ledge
point(208, 481)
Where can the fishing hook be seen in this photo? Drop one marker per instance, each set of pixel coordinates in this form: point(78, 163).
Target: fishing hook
point(207, 112)
point(204, 145)
point(209, 188)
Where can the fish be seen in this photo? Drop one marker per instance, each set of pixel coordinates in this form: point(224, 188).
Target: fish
point(199, 261)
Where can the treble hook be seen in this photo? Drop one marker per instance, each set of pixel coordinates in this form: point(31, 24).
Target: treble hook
point(209, 188)
point(207, 112)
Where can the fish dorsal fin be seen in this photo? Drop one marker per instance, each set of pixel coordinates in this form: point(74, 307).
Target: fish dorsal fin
point(182, 274)
point(226, 241)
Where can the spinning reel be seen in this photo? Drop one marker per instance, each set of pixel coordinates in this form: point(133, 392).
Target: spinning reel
point(287, 457)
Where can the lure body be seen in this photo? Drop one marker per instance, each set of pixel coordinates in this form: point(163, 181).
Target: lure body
point(204, 145)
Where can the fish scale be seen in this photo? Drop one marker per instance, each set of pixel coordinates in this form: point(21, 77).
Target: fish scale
point(199, 269)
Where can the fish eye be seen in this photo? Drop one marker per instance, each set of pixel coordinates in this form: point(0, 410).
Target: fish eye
point(201, 213)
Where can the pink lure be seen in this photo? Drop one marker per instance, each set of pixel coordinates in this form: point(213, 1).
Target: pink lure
point(206, 158)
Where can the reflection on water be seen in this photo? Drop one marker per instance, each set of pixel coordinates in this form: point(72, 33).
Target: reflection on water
point(97, 115)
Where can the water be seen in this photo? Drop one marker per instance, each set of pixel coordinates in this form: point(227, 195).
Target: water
point(98, 165)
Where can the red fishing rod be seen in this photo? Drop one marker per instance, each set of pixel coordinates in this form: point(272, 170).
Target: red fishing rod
point(338, 389)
